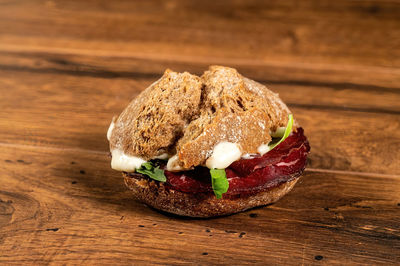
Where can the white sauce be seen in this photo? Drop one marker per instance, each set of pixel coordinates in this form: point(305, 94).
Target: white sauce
point(247, 156)
point(280, 131)
point(123, 162)
point(109, 131)
point(263, 149)
point(173, 164)
point(223, 155)
point(162, 156)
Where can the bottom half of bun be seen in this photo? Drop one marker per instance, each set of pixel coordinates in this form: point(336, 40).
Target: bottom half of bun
point(158, 196)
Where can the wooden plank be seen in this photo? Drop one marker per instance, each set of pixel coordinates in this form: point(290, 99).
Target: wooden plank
point(63, 206)
point(67, 67)
point(128, 65)
point(73, 111)
point(340, 32)
point(351, 87)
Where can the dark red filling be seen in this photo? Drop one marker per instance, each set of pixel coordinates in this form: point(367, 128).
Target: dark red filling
point(247, 176)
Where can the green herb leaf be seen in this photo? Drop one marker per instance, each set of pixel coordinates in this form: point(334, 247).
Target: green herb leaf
point(285, 135)
point(219, 182)
point(155, 173)
point(147, 165)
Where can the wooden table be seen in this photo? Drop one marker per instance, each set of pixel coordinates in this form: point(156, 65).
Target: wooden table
point(67, 67)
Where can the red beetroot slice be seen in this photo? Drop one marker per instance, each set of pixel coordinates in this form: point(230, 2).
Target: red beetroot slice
point(285, 162)
point(270, 176)
point(295, 140)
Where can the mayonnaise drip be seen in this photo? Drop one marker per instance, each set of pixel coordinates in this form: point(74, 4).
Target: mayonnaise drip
point(223, 155)
point(263, 149)
point(173, 164)
point(123, 162)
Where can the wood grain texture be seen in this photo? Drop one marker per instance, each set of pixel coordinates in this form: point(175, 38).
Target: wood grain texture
point(66, 67)
point(345, 32)
point(47, 109)
point(351, 87)
point(67, 207)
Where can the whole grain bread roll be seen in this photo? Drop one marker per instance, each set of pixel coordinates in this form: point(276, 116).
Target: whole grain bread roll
point(186, 116)
point(201, 205)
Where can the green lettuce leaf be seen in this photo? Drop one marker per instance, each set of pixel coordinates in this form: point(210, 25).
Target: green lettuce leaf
point(288, 130)
point(155, 173)
point(219, 182)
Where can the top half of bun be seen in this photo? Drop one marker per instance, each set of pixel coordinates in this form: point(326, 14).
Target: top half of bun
point(188, 115)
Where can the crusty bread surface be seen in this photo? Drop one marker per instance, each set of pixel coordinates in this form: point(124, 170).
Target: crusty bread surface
point(203, 205)
point(151, 124)
point(188, 115)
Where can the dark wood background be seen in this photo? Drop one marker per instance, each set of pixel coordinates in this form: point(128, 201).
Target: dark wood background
point(66, 67)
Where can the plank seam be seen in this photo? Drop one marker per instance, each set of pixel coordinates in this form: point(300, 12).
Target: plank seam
point(199, 59)
point(93, 71)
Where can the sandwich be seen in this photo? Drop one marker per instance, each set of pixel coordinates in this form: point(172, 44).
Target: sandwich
point(208, 145)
